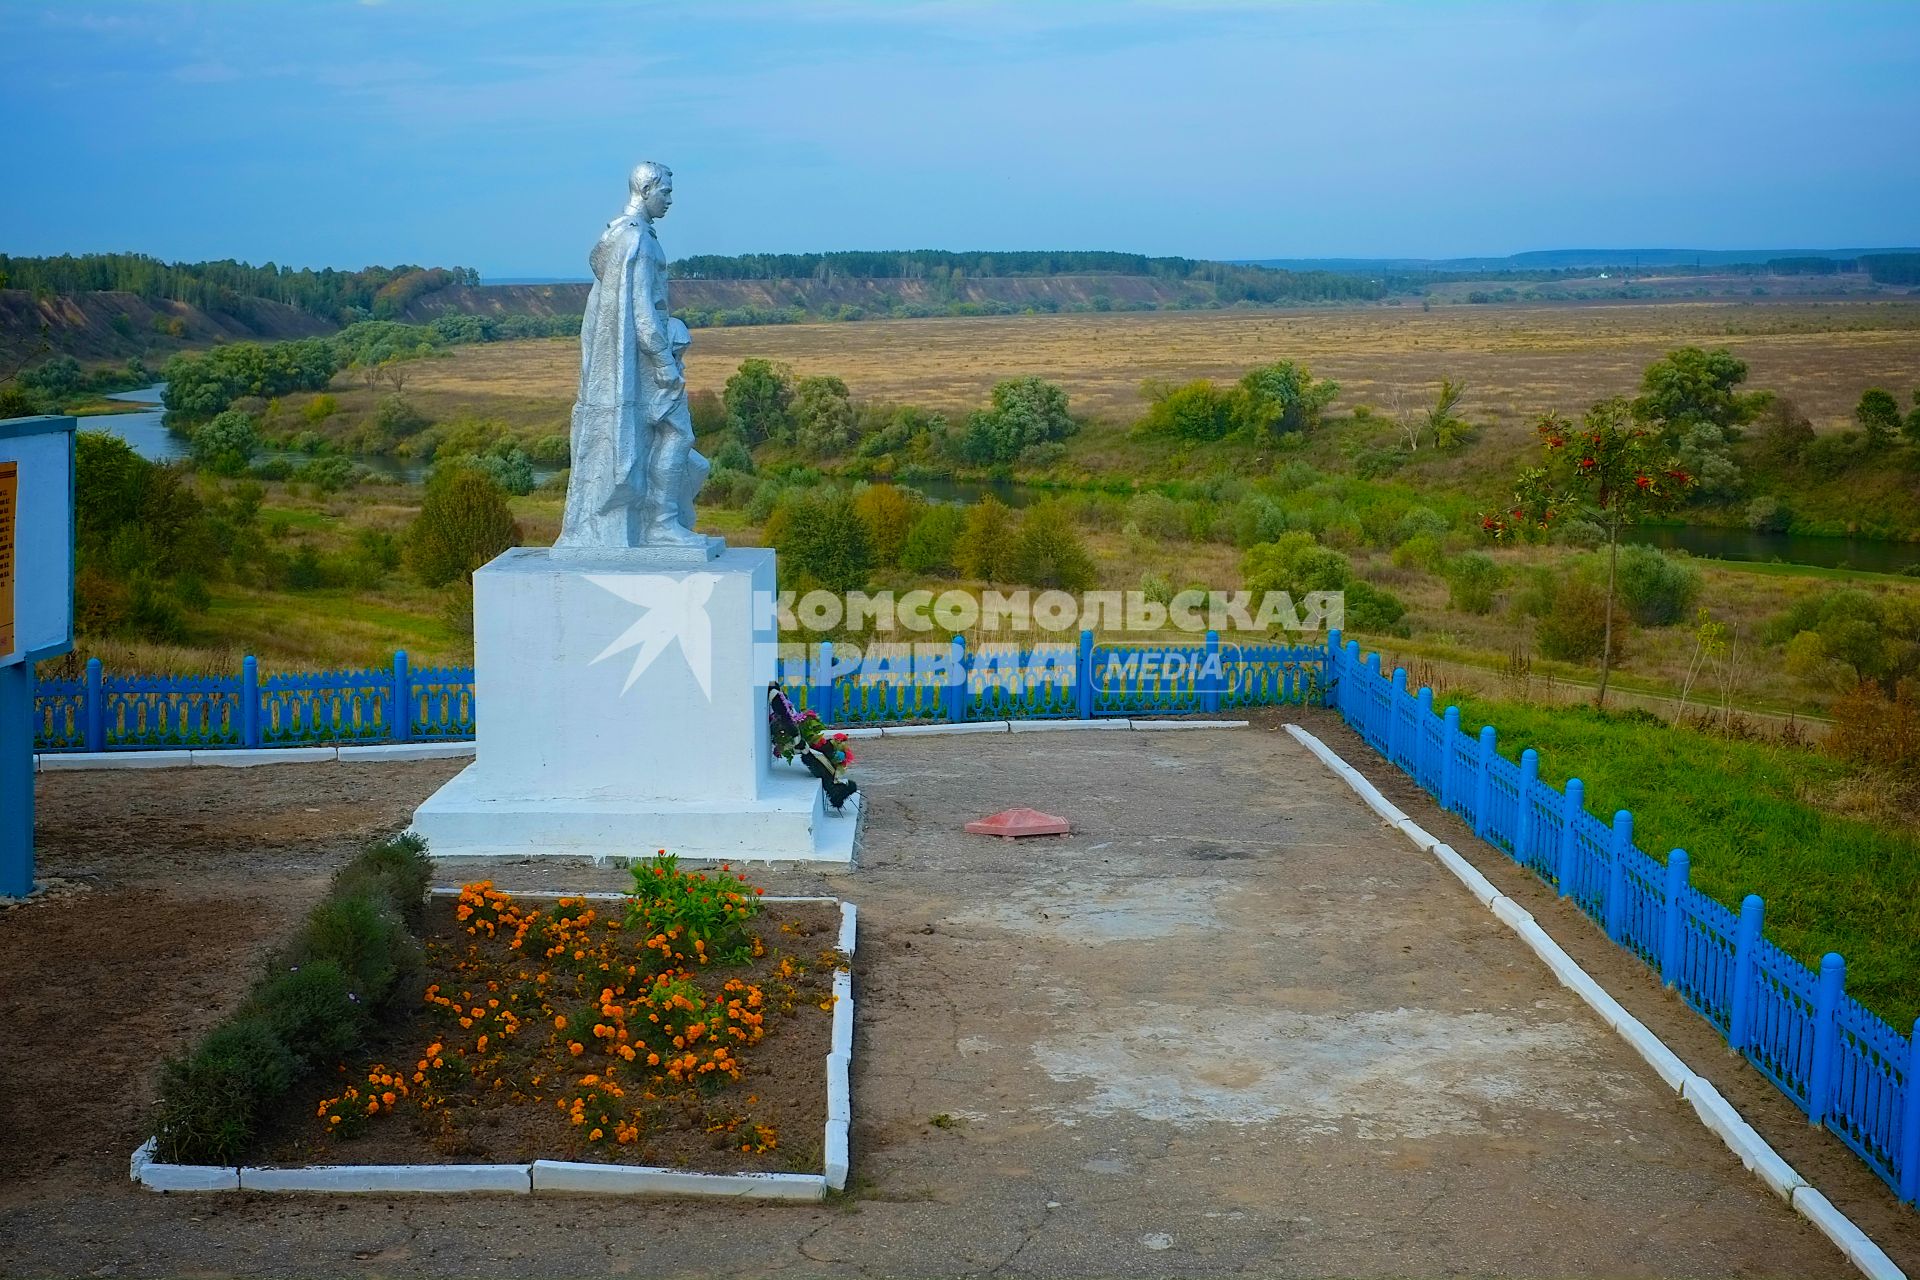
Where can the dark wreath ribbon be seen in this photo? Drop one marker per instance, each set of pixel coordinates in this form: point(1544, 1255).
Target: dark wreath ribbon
point(790, 740)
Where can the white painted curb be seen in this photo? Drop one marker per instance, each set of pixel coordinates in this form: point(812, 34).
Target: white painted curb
point(238, 758)
point(1071, 726)
point(640, 1180)
point(156, 1176)
point(345, 1179)
point(62, 761)
point(836, 1156)
point(848, 913)
point(1164, 725)
point(1715, 1112)
point(247, 757)
point(927, 730)
point(1849, 1239)
point(408, 751)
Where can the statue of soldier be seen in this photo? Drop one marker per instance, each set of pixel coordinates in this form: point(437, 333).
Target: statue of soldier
point(634, 470)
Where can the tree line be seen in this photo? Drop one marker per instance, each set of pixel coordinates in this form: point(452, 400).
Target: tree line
point(340, 297)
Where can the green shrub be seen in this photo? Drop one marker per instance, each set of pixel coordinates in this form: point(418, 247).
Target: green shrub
point(1049, 552)
point(397, 418)
point(727, 487)
point(1422, 551)
point(1374, 609)
point(1420, 522)
point(1768, 514)
point(1657, 590)
point(930, 542)
point(765, 498)
point(1574, 626)
point(225, 445)
point(551, 450)
point(1472, 580)
point(1158, 516)
point(211, 1100)
point(398, 868)
point(329, 473)
point(1257, 519)
point(821, 539)
point(313, 1010)
point(1579, 533)
point(1293, 563)
point(733, 455)
point(1834, 455)
point(463, 523)
point(984, 549)
point(367, 938)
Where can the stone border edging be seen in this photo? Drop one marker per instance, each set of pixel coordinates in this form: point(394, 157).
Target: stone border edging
point(245, 757)
point(241, 758)
point(1715, 1112)
point(561, 1176)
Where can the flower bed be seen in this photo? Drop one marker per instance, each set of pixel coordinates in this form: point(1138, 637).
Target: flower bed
point(686, 1026)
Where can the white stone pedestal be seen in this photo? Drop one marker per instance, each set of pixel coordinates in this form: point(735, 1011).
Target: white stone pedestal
point(621, 709)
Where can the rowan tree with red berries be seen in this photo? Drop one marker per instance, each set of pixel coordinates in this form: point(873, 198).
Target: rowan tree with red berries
point(1610, 466)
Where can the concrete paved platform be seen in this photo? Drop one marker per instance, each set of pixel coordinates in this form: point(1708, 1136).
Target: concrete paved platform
point(1230, 1024)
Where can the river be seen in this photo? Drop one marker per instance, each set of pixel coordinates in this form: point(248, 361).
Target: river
point(147, 433)
point(1870, 555)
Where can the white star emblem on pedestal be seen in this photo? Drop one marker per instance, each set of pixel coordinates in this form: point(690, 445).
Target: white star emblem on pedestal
point(675, 608)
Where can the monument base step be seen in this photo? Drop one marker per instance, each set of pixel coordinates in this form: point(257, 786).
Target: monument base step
point(789, 822)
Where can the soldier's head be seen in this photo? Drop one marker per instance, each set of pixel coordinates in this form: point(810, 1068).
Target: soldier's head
point(651, 189)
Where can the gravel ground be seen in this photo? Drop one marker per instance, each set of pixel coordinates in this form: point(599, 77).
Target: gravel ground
point(1231, 1024)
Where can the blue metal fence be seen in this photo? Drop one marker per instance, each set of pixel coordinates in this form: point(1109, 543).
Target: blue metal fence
point(407, 704)
point(1840, 1064)
point(100, 712)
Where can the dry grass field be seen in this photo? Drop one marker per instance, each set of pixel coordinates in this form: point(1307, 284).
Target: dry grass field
point(1517, 361)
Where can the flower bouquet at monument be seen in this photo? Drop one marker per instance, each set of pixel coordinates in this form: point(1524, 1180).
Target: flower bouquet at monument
point(802, 735)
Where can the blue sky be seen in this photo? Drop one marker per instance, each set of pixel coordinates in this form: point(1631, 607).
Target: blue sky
point(498, 135)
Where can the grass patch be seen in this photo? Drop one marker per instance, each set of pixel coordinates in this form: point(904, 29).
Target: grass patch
point(1755, 818)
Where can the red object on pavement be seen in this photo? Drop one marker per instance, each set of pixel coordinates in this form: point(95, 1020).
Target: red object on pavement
point(1014, 823)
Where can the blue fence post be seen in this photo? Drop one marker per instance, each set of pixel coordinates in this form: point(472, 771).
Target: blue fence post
point(1910, 1126)
point(1083, 677)
point(16, 779)
point(1678, 872)
point(1333, 668)
point(1370, 705)
point(1396, 712)
point(1353, 697)
point(1523, 819)
point(1826, 1035)
point(1746, 953)
point(1572, 806)
point(1616, 904)
point(96, 707)
point(820, 683)
point(1210, 675)
point(402, 726)
point(1422, 740)
point(1449, 736)
point(1483, 783)
point(249, 701)
point(956, 690)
